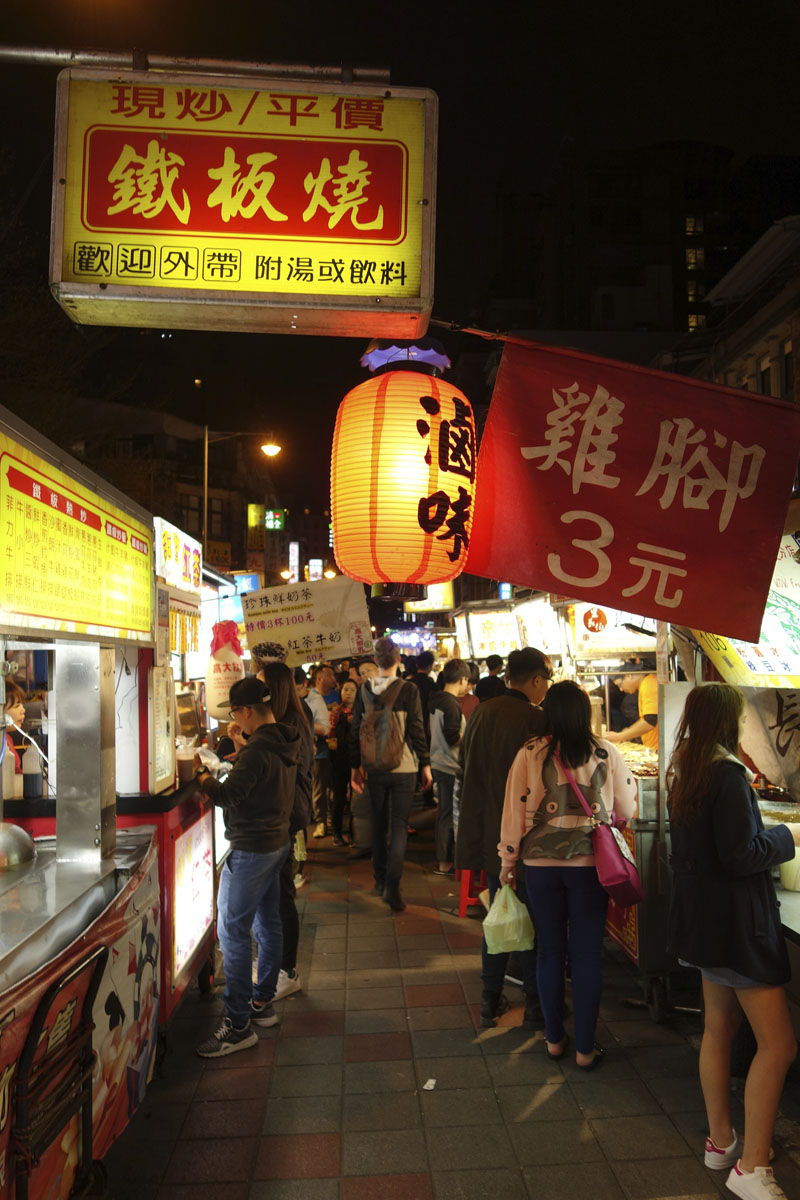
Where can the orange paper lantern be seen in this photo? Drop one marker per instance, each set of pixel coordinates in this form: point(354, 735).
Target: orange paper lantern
point(403, 480)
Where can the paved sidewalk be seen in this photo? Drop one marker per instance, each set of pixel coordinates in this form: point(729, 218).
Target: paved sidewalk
point(331, 1106)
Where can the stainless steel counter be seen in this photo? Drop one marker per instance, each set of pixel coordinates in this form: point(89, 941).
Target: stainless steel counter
point(46, 904)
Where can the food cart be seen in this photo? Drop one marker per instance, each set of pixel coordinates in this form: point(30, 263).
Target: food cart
point(88, 905)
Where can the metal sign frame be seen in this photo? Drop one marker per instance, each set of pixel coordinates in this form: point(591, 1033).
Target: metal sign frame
point(101, 303)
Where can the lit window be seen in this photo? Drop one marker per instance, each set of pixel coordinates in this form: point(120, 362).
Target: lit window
point(696, 321)
point(695, 258)
point(694, 225)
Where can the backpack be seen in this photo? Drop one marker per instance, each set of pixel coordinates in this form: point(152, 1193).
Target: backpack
point(380, 736)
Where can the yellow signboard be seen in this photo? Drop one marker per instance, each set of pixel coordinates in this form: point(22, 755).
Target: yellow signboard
point(283, 196)
point(775, 661)
point(71, 561)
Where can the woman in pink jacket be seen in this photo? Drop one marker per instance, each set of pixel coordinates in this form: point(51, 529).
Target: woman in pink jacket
point(544, 822)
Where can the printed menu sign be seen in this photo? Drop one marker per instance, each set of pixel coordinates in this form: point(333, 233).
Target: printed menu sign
point(308, 621)
point(71, 561)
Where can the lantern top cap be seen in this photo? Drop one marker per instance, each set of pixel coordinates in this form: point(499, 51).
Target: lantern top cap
point(424, 350)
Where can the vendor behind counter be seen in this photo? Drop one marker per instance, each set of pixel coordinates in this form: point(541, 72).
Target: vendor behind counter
point(636, 679)
point(15, 709)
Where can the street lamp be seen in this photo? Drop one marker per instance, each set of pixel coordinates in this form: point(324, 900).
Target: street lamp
point(270, 449)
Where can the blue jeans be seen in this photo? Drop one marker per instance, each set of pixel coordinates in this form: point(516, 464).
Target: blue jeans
point(494, 966)
point(249, 898)
point(391, 794)
point(568, 907)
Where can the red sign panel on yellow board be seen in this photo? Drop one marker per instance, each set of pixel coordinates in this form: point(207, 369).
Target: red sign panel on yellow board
point(281, 199)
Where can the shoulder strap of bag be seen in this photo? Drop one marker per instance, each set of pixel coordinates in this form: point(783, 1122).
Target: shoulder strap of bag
point(571, 781)
point(387, 700)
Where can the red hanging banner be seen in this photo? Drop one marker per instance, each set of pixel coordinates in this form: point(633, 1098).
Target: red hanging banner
point(650, 492)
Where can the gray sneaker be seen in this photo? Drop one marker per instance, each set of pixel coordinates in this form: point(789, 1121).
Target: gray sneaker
point(228, 1040)
point(262, 1014)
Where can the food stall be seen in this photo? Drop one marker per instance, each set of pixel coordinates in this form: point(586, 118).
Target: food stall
point(80, 912)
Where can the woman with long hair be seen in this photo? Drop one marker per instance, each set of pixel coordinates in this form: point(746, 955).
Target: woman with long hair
point(724, 920)
point(544, 822)
point(287, 708)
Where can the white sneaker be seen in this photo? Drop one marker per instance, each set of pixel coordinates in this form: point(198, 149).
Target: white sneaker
point(717, 1159)
point(300, 881)
point(722, 1160)
point(287, 985)
point(758, 1185)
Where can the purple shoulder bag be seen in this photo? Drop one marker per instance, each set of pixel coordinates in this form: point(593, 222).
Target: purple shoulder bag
point(616, 869)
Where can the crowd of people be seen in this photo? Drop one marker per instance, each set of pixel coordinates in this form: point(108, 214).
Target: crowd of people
point(503, 759)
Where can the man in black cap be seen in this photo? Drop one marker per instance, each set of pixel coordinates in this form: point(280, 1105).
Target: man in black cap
point(256, 799)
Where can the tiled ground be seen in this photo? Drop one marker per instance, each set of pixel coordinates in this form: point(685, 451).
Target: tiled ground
point(331, 1105)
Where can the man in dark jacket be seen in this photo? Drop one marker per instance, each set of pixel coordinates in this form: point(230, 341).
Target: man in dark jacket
point(256, 801)
point(491, 685)
point(495, 732)
point(391, 792)
point(447, 726)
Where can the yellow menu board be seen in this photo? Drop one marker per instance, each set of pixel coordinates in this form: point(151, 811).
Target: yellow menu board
point(71, 561)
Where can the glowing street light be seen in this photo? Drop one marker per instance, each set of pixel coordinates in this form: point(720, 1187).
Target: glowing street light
point(270, 449)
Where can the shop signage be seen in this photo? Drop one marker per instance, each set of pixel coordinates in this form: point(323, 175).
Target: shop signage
point(438, 598)
point(604, 632)
point(294, 562)
point(327, 619)
point(72, 562)
point(773, 661)
point(633, 488)
point(179, 558)
point(190, 201)
point(255, 526)
point(494, 632)
point(538, 626)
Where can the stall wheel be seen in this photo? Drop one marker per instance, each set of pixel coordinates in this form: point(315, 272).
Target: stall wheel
point(658, 1001)
point(91, 1184)
point(205, 976)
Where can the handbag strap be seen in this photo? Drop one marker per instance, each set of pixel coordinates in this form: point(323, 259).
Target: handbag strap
point(571, 780)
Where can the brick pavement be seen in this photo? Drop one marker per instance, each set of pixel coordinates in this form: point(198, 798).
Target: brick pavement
point(330, 1105)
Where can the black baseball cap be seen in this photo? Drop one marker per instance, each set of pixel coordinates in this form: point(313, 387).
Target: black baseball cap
point(248, 691)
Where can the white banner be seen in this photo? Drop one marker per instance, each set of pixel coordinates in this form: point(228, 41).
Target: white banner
point(327, 619)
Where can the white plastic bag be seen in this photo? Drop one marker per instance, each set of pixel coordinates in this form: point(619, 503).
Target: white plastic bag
point(507, 926)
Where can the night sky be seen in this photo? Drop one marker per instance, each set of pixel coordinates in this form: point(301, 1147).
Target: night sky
point(514, 81)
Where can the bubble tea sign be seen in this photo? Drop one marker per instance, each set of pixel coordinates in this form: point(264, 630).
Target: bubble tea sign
point(310, 622)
